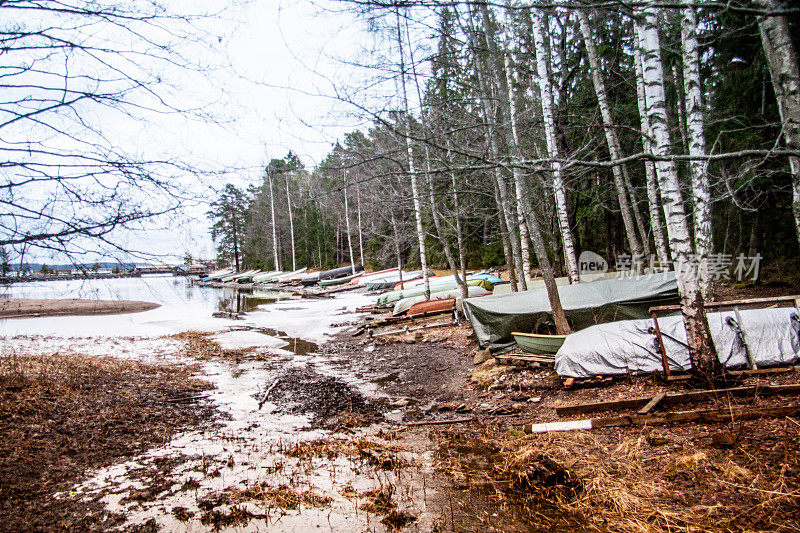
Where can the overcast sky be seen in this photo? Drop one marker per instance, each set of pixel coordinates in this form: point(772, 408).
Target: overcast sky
point(277, 95)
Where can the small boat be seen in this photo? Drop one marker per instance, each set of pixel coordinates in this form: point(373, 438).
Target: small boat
point(289, 276)
point(247, 278)
point(310, 279)
point(390, 281)
point(432, 306)
point(337, 281)
point(264, 276)
point(364, 278)
point(538, 343)
point(340, 272)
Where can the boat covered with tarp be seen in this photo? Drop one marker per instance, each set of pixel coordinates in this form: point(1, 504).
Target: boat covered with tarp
point(264, 277)
point(495, 318)
point(388, 282)
point(340, 272)
point(393, 296)
point(538, 283)
point(212, 276)
point(370, 276)
point(770, 336)
point(401, 306)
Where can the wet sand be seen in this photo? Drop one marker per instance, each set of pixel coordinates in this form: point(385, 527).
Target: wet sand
point(36, 307)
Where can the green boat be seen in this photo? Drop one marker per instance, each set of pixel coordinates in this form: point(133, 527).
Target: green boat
point(338, 281)
point(537, 343)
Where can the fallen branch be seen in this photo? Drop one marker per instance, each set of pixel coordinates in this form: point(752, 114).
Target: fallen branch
point(266, 394)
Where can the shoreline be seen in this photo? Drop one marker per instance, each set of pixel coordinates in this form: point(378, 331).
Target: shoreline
point(40, 307)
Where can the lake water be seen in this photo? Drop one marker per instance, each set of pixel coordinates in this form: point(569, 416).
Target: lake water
point(184, 306)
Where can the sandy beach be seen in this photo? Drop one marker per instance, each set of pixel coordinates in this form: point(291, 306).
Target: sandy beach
point(36, 307)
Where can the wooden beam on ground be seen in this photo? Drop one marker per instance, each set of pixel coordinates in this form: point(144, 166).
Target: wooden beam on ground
point(668, 399)
point(532, 358)
point(407, 330)
point(398, 319)
point(652, 403)
point(703, 415)
point(730, 303)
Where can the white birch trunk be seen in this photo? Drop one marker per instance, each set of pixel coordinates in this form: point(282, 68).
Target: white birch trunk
point(423, 259)
point(543, 70)
point(524, 236)
point(611, 135)
point(291, 224)
point(653, 202)
point(347, 229)
point(274, 229)
point(698, 168)
point(698, 335)
point(360, 237)
point(783, 68)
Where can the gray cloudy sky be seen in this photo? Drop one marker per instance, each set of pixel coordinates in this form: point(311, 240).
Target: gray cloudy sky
point(284, 60)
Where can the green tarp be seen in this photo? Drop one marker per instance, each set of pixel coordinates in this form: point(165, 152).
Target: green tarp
point(493, 318)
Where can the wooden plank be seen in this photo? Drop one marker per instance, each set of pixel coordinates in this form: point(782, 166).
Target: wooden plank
point(704, 415)
point(407, 330)
point(730, 303)
point(664, 360)
point(636, 403)
point(531, 358)
point(652, 403)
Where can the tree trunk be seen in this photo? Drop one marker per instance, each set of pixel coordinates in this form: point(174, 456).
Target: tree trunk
point(611, 135)
point(274, 228)
point(653, 202)
point(698, 168)
point(398, 250)
point(360, 236)
point(504, 233)
point(501, 191)
point(347, 229)
point(423, 259)
point(783, 68)
point(698, 336)
point(235, 243)
point(291, 224)
point(462, 253)
point(570, 258)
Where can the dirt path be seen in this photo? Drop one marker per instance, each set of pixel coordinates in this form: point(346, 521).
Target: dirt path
point(30, 307)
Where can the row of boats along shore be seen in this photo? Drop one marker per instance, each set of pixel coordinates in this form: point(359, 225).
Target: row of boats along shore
point(615, 331)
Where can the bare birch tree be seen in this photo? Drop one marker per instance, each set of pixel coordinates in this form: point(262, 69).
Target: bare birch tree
point(785, 74)
point(698, 168)
point(701, 346)
point(543, 79)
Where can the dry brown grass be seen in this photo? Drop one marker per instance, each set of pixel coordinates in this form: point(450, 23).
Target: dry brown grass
point(617, 480)
point(200, 345)
point(282, 496)
point(63, 414)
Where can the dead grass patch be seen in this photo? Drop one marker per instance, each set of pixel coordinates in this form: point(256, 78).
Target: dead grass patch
point(61, 415)
point(200, 345)
point(377, 454)
point(615, 479)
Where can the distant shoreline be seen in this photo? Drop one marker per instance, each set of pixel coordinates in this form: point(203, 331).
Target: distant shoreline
point(38, 307)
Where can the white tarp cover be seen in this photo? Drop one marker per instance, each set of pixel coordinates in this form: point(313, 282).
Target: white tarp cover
point(628, 347)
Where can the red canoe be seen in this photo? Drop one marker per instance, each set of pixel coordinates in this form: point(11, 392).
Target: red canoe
point(432, 306)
